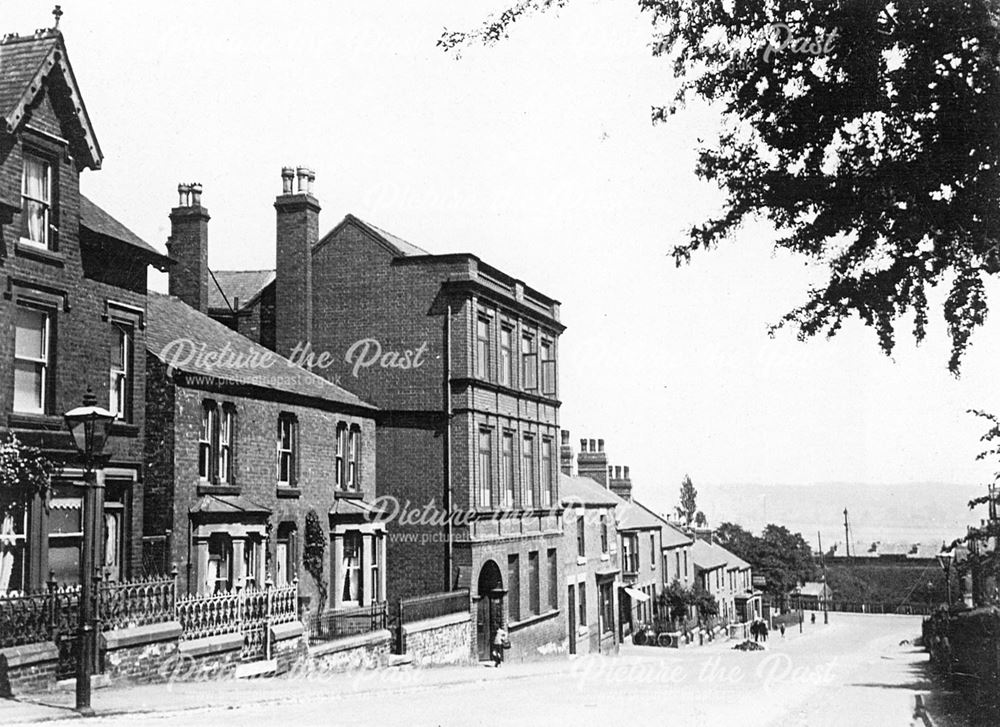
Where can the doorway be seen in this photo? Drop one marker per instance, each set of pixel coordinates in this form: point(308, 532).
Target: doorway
point(571, 612)
point(490, 610)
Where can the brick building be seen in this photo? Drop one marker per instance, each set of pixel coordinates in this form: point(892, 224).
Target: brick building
point(711, 563)
point(243, 443)
point(591, 567)
point(461, 359)
point(72, 315)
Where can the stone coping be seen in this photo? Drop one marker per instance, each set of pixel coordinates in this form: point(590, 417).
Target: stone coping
point(139, 635)
point(28, 654)
point(211, 644)
point(290, 630)
point(374, 638)
point(438, 622)
point(532, 620)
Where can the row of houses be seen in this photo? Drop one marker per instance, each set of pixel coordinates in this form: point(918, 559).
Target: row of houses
point(407, 402)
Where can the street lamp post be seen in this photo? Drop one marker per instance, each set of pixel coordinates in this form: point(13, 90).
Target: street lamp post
point(89, 425)
point(945, 557)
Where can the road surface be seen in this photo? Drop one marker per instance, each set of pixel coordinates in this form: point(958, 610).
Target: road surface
point(859, 670)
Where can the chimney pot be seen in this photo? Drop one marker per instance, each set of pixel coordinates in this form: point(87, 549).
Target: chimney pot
point(303, 177)
point(611, 472)
point(565, 436)
point(182, 190)
point(196, 194)
point(626, 471)
point(287, 178)
point(592, 446)
point(600, 445)
point(618, 472)
point(312, 179)
point(583, 445)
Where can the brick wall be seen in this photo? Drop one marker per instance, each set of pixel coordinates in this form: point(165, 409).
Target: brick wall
point(73, 283)
point(254, 466)
point(445, 640)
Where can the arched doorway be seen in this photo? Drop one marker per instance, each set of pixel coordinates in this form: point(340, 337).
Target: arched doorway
point(490, 615)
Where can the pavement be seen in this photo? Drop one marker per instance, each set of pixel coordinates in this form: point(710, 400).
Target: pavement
point(858, 670)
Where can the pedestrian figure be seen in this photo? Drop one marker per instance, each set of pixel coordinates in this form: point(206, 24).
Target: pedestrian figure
point(754, 630)
point(763, 630)
point(781, 628)
point(812, 618)
point(500, 642)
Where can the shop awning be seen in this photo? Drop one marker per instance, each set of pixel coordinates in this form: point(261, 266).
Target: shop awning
point(635, 594)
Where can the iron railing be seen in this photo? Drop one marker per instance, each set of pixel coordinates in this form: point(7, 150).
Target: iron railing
point(343, 622)
point(137, 603)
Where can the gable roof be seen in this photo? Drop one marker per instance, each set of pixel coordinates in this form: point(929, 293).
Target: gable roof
point(400, 247)
point(25, 64)
point(100, 222)
point(170, 321)
point(707, 556)
point(673, 536)
point(230, 285)
point(586, 491)
point(635, 516)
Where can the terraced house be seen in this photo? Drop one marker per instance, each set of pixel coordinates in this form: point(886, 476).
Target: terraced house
point(243, 444)
point(72, 316)
point(461, 359)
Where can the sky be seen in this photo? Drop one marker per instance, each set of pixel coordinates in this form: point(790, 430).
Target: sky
point(538, 156)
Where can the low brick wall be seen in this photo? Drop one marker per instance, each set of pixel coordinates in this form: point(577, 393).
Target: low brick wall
point(28, 668)
point(288, 647)
point(442, 640)
point(366, 651)
point(138, 654)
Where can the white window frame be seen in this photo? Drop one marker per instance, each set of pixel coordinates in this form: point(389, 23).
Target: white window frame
point(286, 451)
point(120, 377)
point(353, 452)
point(39, 365)
point(45, 203)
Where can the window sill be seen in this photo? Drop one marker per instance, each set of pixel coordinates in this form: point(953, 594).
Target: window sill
point(37, 252)
point(289, 492)
point(605, 556)
point(581, 560)
point(21, 420)
point(347, 494)
point(124, 429)
point(207, 489)
point(532, 620)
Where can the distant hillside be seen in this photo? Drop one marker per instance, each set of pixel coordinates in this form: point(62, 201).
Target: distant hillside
point(925, 513)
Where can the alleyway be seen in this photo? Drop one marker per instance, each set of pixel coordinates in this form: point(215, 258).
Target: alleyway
point(854, 671)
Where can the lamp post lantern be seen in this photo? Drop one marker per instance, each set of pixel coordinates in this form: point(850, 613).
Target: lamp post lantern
point(945, 558)
point(89, 424)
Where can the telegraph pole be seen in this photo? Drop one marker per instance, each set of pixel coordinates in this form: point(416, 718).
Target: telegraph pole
point(847, 534)
point(822, 560)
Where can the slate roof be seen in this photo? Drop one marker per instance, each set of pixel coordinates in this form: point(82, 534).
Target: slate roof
point(634, 516)
point(673, 536)
point(171, 320)
point(246, 285)
point(227, 504)
point(707, 556)
point(97, 220)
point(585, 490)
point(25, 63)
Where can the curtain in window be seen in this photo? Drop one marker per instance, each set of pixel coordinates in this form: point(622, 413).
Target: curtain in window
point(351, 568)
point(36, 192)
point(10, 551)
point(112, 521)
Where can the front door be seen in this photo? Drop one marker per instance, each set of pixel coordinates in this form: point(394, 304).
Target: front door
point(483, 637)
point(571, 601)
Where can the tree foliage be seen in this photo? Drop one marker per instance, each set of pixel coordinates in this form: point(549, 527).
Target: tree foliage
point(876, 155)
point(313, 555)
point(783, 558)
point(24, 473)
point(687, 508)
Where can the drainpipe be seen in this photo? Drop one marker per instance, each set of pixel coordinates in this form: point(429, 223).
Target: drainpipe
point(450, 557)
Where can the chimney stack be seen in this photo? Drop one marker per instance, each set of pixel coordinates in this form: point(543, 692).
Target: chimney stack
point(620, 483)
point(592, 462)
point(566, 455)
point(188, 246)
point(297, 234)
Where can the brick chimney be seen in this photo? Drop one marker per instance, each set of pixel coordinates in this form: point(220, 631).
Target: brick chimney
point(566, 455)
point(188, 246)
point(592, 461)
point(621, 483)
point(297, 233)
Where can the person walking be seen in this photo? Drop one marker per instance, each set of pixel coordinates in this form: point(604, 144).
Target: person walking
point(500, 642)
point(763, 631)
point(781, 627)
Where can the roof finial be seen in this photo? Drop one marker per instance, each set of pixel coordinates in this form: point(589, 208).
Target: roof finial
point(57, 13)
